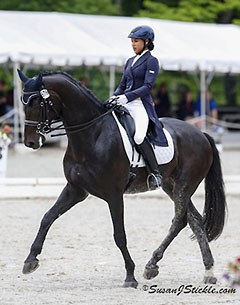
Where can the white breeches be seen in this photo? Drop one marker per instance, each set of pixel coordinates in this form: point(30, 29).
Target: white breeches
point(140, 116)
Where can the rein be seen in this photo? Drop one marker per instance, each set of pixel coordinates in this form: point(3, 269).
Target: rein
point(81, 127)
point(44, 124)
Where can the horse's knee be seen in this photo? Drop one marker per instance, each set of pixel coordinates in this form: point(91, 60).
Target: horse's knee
point(47, 220)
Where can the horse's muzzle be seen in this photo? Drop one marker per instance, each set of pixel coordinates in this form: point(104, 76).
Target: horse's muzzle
point(35, 144)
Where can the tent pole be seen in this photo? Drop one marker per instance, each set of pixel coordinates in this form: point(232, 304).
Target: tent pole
point(210, 78)
point(16, 95)
point(203, 99)
point(111, 80)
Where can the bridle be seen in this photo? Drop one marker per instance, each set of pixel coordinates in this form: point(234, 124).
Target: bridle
point(44, 125)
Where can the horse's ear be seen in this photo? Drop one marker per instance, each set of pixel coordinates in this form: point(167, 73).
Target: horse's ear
point(38, 81)
point(23, 78)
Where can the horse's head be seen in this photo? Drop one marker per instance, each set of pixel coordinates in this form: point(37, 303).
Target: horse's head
point(39, 110)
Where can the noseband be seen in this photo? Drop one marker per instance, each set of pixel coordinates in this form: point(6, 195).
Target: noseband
point(44, 124)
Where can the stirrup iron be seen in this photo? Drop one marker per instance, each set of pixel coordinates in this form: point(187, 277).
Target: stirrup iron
point(156, 182)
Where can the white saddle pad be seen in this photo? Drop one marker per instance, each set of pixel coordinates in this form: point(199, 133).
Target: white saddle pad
point(163, 154)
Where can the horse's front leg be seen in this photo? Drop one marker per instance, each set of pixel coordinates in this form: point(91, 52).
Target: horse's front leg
point(117, 214)
point(68, 198)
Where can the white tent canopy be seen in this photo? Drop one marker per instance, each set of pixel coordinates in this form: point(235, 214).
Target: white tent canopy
point(61, 39)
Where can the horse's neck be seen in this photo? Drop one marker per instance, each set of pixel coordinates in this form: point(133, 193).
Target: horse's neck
point(79, 110)
point(78, 106)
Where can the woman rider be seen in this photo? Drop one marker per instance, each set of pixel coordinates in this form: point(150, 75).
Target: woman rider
point(134, 92)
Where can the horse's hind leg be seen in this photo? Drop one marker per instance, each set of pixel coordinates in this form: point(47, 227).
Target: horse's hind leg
point(68, 198)
point(178, 223)
point(195, 221)
point(116, 209)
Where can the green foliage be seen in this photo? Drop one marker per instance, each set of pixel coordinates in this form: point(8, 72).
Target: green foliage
point(225, 11)
point(103, 7)
point(236, 21)
point(131, 7)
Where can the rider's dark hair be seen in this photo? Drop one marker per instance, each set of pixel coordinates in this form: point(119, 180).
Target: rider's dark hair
point(150, 46)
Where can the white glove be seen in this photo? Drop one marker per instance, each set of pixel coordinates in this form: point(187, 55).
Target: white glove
point(111, 101)
point(122, 99)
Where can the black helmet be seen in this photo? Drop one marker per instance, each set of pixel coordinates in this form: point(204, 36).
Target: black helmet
point(143, 32)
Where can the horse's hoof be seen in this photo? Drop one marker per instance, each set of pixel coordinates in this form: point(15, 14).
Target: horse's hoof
point(150, 272)
point(209, 280)
point(30, 267)
point(130, 284)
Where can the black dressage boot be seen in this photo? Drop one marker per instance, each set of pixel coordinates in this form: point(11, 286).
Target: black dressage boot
point(154, 178)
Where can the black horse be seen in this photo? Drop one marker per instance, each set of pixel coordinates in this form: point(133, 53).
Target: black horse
point(96, 163)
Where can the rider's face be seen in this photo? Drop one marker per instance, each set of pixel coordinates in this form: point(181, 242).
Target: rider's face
point(137, 45)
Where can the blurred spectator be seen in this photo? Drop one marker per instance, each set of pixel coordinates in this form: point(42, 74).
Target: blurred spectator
point(3, 100)
point(186, 107)
point(211, 107)
point(162, 101)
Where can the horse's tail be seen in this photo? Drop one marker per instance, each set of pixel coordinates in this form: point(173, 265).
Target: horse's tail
point(215, 203)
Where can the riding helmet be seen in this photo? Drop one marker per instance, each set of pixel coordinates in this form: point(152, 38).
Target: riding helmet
point(144, 32)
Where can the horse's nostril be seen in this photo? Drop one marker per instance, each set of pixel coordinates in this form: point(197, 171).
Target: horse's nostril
point(30, 144)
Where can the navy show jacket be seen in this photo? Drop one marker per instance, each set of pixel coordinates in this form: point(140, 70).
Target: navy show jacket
point(137, 82)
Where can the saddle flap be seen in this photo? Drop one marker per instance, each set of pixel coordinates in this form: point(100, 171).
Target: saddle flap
point(126, 121)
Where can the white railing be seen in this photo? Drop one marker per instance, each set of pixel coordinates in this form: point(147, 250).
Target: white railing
point(7, 115)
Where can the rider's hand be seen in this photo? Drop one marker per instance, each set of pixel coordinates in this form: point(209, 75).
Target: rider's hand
point(111, 101)
point(122, 99)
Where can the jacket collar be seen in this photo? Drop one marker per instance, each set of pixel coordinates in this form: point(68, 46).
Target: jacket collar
point(144, 57)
